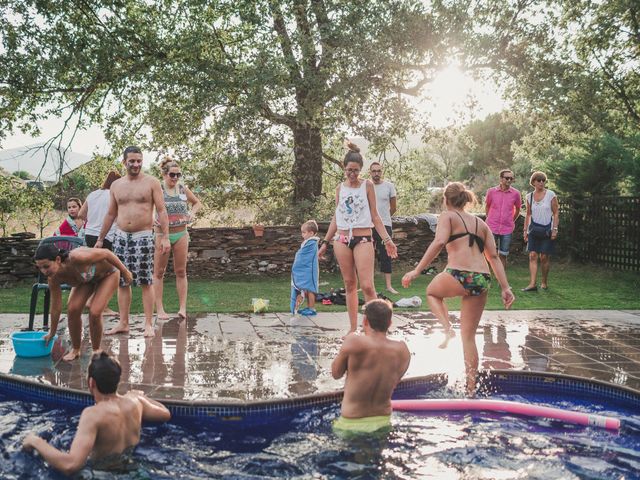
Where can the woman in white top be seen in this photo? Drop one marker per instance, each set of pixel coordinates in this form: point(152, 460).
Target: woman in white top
point(93, 211)
point(351, 230)
point(540, 229)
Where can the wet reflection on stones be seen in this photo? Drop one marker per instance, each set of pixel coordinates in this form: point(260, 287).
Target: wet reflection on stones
point(240, 357)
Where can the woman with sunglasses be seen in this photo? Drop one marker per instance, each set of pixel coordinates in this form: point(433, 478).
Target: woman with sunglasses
point(540, 229)
point(352, 223)
point(177, 199)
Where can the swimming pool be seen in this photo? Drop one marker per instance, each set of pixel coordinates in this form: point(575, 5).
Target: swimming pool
point(459, 445)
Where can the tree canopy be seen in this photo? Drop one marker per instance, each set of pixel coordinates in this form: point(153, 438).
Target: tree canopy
point(247, 90)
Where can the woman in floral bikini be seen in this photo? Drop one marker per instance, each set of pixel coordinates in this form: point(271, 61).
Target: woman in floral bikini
point(470, 245)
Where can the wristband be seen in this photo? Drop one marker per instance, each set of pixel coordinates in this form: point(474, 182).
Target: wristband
point(386, 240)
point(323, 242)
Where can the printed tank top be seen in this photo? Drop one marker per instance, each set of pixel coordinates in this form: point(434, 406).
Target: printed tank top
point(177, 207)
point(353, 208)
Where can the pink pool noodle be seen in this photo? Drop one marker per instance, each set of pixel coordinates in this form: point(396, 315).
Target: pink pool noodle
point(503, 406)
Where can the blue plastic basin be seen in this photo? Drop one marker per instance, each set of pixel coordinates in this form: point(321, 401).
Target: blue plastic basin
point(31, 344)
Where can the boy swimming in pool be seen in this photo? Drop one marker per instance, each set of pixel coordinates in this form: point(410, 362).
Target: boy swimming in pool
point(374, 365)
point(107, 429)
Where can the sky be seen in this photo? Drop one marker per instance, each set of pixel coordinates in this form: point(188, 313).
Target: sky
point(445, 101)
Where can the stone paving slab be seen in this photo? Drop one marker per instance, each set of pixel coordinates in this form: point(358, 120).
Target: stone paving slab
point(270, 356)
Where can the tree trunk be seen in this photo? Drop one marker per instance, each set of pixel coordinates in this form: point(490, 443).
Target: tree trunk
point(307, 167)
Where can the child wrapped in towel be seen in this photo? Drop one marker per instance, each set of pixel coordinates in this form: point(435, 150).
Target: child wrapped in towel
point(305, 271)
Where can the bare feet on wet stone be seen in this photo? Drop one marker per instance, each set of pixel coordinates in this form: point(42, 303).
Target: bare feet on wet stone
point(448, 335)
point(182, 314)
point(148, 331)
point(71, 355)
point(163, 316)
point(120, 328)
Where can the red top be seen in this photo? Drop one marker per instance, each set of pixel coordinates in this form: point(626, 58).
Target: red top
point(67, 230)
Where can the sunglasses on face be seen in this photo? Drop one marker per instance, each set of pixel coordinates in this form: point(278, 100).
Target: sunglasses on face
point(540, 180)
point(509, 178)
point(376, 171)
point(175, 175)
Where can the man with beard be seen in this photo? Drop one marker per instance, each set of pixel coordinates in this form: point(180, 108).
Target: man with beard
point(133, 199)
point(387, 204)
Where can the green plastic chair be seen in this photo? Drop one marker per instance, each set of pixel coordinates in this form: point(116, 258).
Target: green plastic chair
point(63, 243)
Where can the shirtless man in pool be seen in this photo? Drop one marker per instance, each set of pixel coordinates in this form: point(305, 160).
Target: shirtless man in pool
point(374, 365)
point(133, 199)
point(107, 429)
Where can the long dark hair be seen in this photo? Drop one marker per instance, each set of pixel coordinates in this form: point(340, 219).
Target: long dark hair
point(49, 251)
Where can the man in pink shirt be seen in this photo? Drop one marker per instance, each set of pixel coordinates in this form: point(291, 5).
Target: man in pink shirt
point(503, 205)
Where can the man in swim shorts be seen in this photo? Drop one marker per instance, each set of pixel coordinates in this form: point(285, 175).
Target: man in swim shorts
point(107, 429)
point(375, 366)
point(133, 198)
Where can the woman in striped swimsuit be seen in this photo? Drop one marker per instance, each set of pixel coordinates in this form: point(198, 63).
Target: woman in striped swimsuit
point(177, 199)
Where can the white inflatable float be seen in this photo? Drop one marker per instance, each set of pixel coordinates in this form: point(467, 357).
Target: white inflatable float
point(504, 406)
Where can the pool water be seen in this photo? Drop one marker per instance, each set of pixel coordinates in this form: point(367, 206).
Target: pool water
point(479, 445)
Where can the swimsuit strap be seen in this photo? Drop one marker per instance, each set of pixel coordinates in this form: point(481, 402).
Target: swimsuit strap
point(458, 235)
point(473, 237)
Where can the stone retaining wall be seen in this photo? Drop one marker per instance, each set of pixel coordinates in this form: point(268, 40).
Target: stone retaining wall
point(214, 252)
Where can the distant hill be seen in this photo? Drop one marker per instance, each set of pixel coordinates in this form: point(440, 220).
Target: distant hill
point(31, 159)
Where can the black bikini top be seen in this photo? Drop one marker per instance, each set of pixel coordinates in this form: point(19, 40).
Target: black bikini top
point(473, 237)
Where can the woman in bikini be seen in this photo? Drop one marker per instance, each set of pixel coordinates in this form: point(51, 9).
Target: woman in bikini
point(469, 244)
point(351, 230)
point(177, 199)
point(90, 271)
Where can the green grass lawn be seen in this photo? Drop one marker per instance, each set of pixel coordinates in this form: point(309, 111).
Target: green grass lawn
point(571, 286)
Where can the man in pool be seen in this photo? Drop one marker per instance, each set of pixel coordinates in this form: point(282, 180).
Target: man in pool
point(107, 429)
point(374, 365)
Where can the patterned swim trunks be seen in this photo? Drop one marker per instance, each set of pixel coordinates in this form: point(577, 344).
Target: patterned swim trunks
point(473, 282)
point(135, 250)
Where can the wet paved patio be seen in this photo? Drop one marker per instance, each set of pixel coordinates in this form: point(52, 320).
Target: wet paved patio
point(258, 357)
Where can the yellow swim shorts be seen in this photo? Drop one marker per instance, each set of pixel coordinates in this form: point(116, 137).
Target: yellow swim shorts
point(361, 425)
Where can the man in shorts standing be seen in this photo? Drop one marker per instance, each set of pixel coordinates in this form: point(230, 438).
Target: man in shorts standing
point(502, 206)
point(375, 366)
point(387, 205)
point(133, 198)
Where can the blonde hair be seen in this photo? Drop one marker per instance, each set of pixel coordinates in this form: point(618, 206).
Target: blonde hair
point(537, 176)
point(310, 226)
point(457, 195)
point(166, 163)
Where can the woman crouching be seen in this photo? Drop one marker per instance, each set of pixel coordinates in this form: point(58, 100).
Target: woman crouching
point(89, 271)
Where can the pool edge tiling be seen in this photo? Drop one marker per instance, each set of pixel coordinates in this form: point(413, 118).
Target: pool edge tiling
point(250, 360)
